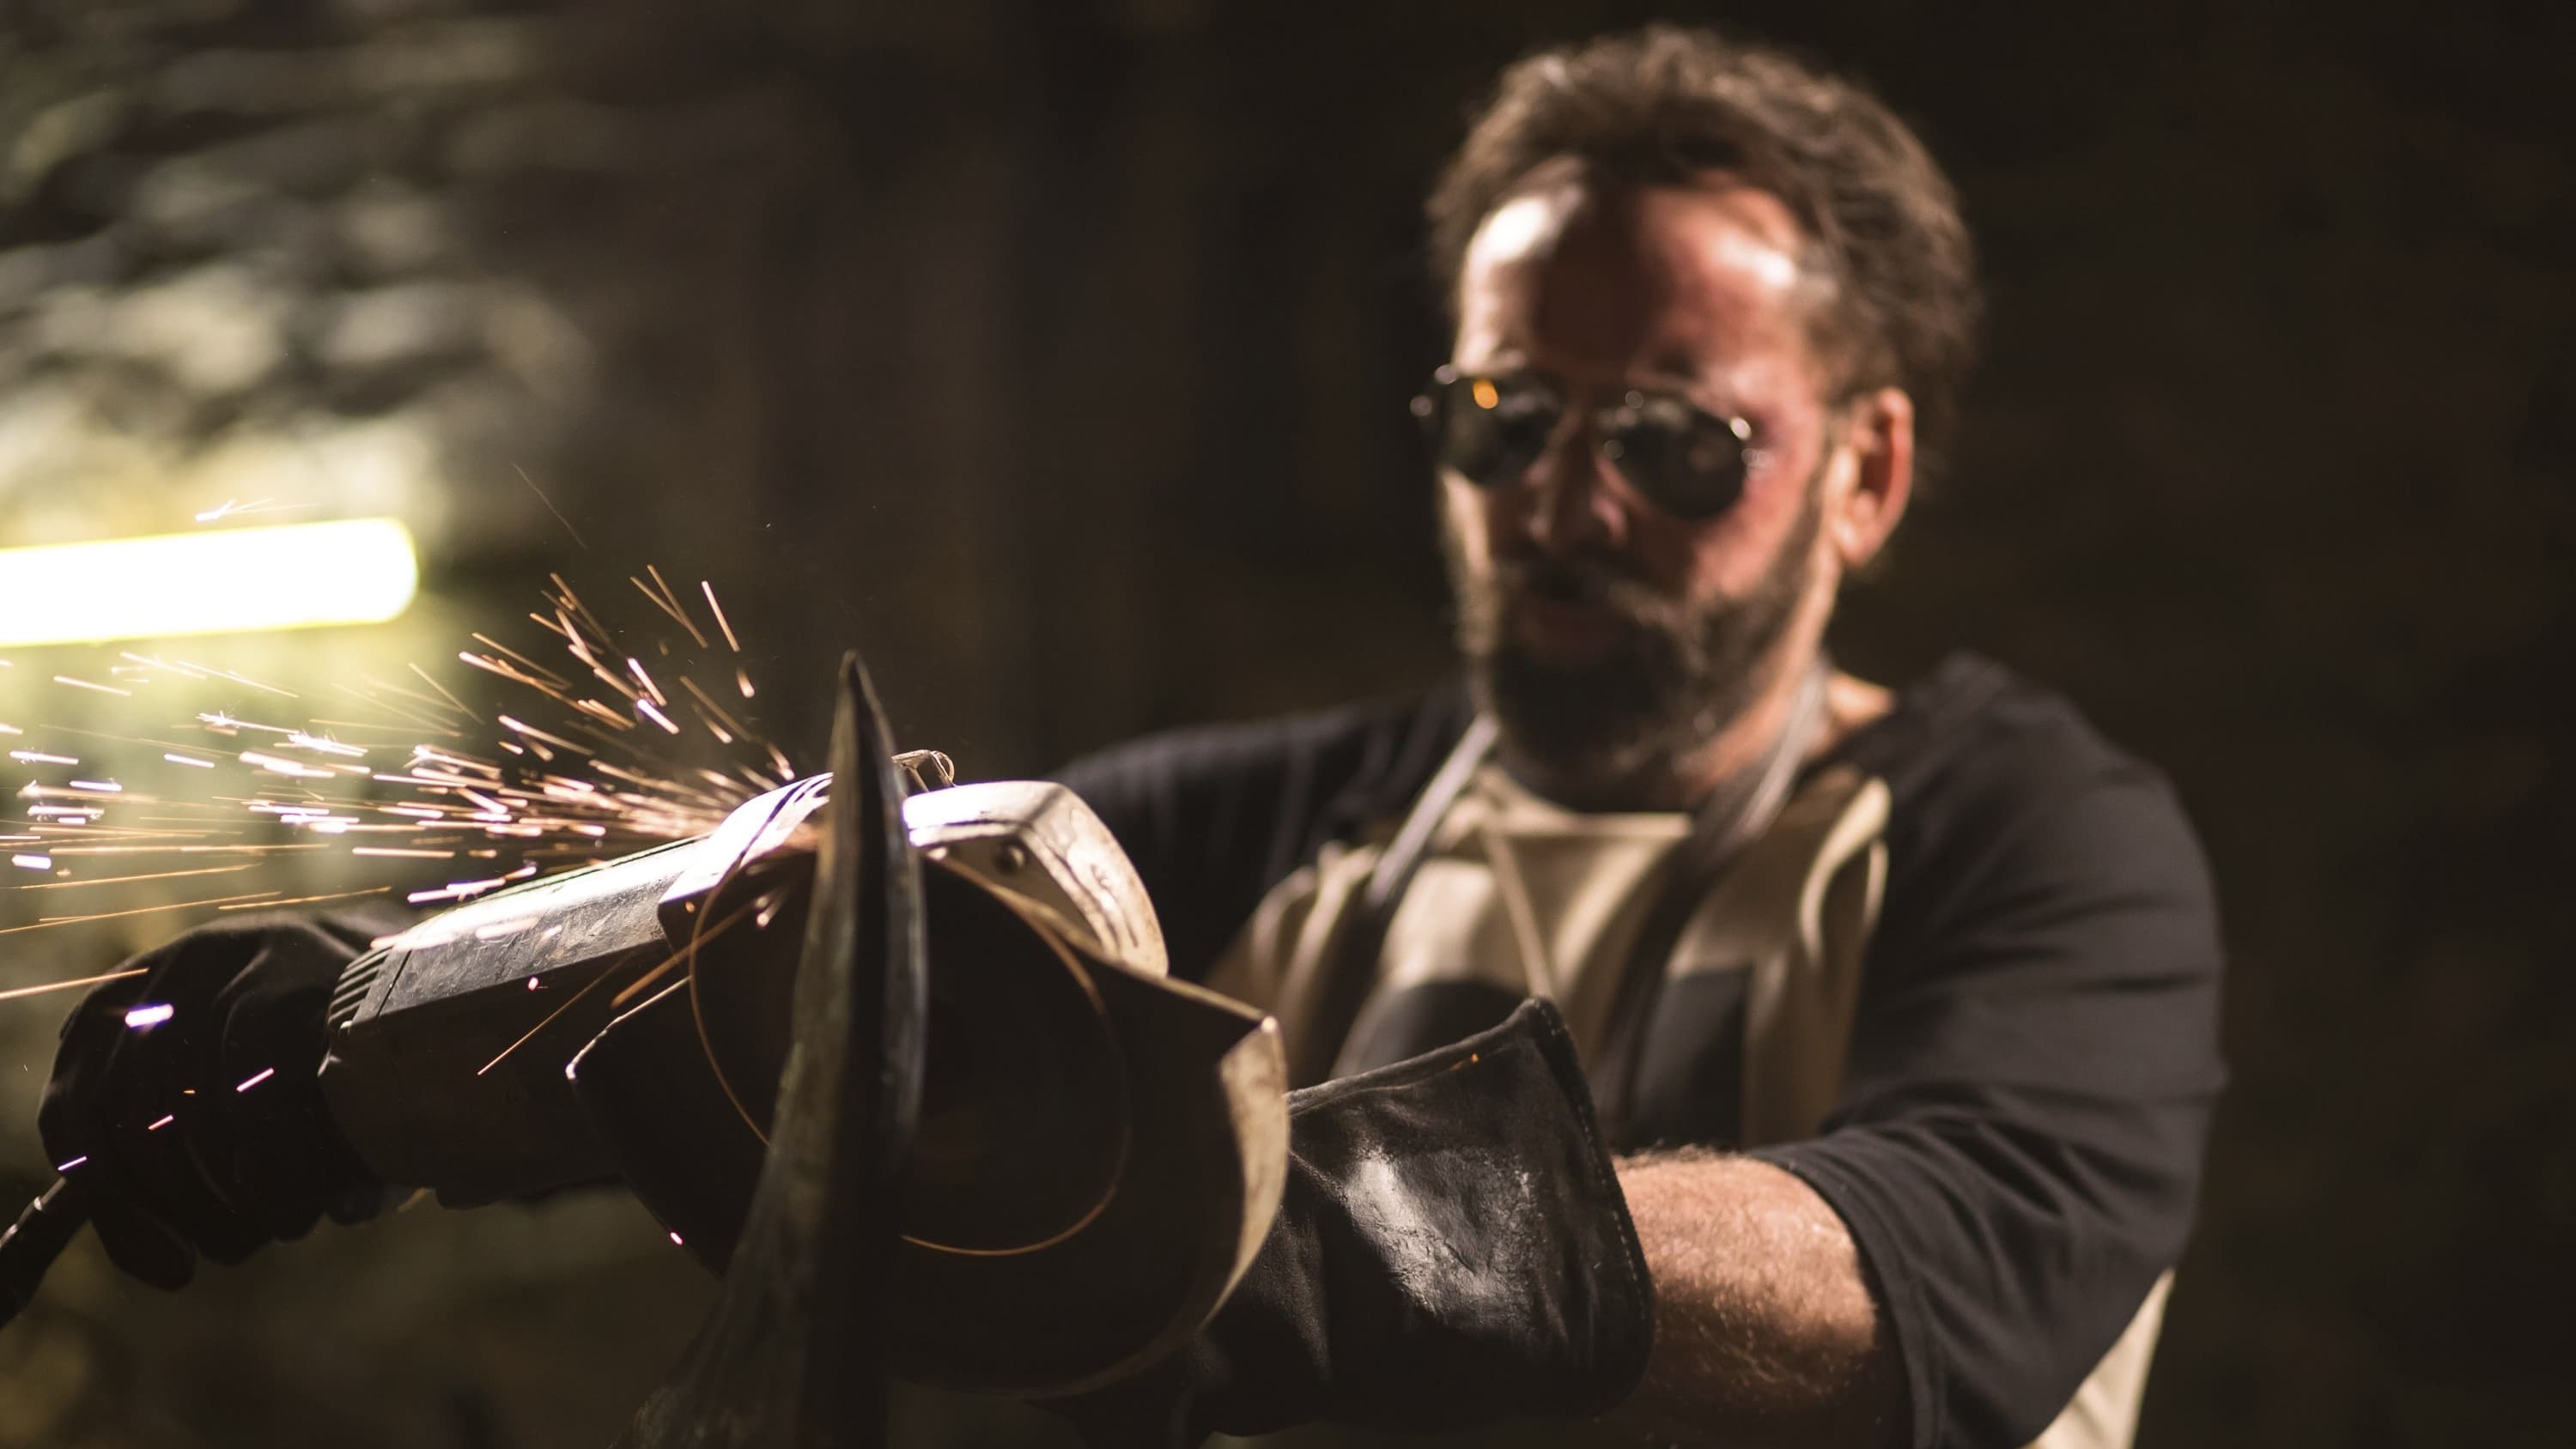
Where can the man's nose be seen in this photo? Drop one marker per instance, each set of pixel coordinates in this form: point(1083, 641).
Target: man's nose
point(1572, 500)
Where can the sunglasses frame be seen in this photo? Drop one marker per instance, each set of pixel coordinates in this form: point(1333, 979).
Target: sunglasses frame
point(1607, 423)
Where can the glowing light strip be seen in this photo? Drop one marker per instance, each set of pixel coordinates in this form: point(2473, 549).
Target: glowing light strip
point(223, 581)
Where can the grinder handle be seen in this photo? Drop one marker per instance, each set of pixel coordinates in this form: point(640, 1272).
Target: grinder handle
point(32, 1243)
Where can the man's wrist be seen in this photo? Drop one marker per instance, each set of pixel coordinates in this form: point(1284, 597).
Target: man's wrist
point(1765, 1327)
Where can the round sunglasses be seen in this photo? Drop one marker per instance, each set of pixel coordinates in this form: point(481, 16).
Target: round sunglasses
point(1681, 457)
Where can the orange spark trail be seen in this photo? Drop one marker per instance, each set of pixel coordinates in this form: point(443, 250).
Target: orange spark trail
point(15, 993)
point(718, 610)
point(307, 900)
point(52, 921)
point(64, 885)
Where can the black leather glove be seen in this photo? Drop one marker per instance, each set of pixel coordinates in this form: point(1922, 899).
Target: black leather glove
point(206, 1132)
point(1453, 1250)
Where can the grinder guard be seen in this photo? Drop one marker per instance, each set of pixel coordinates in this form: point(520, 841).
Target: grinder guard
point(1099, 1149)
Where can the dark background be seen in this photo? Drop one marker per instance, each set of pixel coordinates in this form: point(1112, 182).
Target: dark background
point(1056, 354)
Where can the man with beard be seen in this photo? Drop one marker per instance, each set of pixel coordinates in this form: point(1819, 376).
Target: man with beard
point(1894, 1013)
point(1690, 1033)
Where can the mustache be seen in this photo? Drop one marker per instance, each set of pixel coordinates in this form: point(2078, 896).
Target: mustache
point(1590, 579)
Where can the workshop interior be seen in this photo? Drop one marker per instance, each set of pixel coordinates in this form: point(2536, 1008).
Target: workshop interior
point(629, 510)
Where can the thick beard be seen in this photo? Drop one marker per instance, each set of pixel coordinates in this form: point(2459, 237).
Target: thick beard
point(1624, 723)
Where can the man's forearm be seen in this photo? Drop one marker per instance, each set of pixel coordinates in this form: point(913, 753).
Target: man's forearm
point(1765, 1333)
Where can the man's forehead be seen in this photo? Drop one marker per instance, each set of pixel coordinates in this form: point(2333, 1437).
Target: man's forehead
point(1572, 266)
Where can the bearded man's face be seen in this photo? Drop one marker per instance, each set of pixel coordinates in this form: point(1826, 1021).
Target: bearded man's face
point(1609, 636)
point(1656, 674)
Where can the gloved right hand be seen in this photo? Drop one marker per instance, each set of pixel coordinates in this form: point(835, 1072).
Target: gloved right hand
point(1453, 1249)
point(206, 1132)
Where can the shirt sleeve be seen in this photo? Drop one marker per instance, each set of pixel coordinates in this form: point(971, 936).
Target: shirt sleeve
point(2018, 1146)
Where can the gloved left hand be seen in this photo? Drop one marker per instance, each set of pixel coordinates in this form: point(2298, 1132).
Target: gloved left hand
point(203, 1131)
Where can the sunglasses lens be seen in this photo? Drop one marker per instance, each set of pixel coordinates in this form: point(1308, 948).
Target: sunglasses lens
point(1489, 432)
point(1689, 463)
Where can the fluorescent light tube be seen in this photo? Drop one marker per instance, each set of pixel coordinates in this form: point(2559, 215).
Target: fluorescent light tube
point(221, 581)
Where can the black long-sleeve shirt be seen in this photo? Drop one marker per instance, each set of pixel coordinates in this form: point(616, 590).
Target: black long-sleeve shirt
point(2017, 1145)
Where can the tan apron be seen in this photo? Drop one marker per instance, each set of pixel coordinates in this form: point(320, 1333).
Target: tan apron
point(1519, 894)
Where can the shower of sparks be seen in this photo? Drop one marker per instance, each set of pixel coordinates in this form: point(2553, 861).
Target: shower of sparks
point(584, 753)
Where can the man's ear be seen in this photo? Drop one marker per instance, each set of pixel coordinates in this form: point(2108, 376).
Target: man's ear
point(1860, 517)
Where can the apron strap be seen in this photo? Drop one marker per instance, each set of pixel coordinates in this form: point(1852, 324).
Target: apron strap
point(1350, 960)
point(1725, 823)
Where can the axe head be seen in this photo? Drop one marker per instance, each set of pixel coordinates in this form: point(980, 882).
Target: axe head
point(1044, 1162)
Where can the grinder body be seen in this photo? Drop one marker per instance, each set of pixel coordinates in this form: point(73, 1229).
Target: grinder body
point(445, 1067)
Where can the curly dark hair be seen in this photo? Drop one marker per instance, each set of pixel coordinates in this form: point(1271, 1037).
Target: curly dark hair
point(1663, 105)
